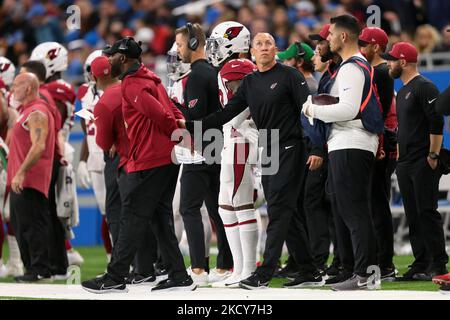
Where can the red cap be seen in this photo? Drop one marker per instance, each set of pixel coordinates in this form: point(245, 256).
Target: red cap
point(373, 35)
point(100, 67)
point(322, 35)
point(402, 50)
point(237, 69)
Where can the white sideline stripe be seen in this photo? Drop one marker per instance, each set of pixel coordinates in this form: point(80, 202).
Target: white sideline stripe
point(55, 291)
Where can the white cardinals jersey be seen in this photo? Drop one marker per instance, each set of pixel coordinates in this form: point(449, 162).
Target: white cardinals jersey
point(89, 96)
point(176, 91)
point(239, 129)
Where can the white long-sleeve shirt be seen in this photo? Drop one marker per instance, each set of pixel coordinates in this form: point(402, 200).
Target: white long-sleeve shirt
point(347, 133)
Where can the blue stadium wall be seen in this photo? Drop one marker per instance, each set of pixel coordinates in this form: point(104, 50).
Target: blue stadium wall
point(88, 233)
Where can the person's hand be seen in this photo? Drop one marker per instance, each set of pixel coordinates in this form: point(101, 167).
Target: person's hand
point(381, 155)
point(314, 162)
point(181, 123)
point(432, 162)
point(17, 182)
point(84, 179)
point(63, 162)
point(112, 152)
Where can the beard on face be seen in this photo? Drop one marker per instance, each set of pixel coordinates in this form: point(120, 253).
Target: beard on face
point(187, 56)
point(116, 69)
point(396, 72)
point(368, 54)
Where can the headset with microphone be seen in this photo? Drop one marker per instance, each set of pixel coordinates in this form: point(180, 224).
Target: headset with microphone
point(193, 40)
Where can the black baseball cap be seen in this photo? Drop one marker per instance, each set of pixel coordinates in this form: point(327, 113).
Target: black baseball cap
point(127, 46)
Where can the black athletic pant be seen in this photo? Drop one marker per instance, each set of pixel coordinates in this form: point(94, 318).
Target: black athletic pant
point(319, 216)
point(30, 220)
point(57, 233)
point(282, 191)
point(148, 198)
point(201, 183)
point(381, 210)
point(113, 205)
point(419, 186)
point(116, 188)
point(349, 173)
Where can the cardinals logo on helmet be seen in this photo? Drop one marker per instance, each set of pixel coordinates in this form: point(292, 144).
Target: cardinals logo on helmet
point(53, 53)
point(4, 67)
point(232, 32)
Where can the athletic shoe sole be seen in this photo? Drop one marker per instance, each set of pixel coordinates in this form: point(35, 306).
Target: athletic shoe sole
point(144, 283)
point(248, 287)
point(161, 278)
point(306, 285)
point(192, 287)
point(355, 289)
point(105, 290)
point(225, 285)
point(388, 279)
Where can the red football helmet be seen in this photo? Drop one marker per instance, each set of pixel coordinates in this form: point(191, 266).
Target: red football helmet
point(233, 70)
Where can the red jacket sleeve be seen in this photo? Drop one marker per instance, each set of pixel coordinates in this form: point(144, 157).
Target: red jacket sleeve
point(177, 113)
point(104, 121)
point(142, 99)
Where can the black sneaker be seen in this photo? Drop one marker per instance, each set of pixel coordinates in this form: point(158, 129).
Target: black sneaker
point(388, 274)
point(32, 277)
point(136, 279)
point(433, 272)
point(161, 274)
point(414, 274)
point(103, 284)
point(306, 280)
point(171, 285)
point(445, 289)
point(255, 281)
point(333, 270)
point(288, 271)
point(342, 276)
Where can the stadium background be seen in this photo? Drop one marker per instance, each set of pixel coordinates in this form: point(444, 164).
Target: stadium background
point(26, 23)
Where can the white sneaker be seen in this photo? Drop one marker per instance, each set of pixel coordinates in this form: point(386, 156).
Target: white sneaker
point(215, 276)
point(74, 258)
point(60, 276)
point(230, 282)
point(14, 270)
point(3, 271)
point(201, 280)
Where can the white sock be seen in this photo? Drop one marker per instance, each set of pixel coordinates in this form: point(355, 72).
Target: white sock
point(231, 225)
point(248, 230)
point(108, 257)
point(14, 252)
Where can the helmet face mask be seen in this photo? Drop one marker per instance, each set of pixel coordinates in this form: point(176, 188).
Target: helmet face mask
point(226, 39)
point(176, 69)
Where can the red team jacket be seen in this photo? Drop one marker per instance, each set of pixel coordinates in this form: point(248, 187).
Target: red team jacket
point(150, 118)
point(109, 122)
point(38, 177)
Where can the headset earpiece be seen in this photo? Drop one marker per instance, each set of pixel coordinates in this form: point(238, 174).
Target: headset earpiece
point(192, 41)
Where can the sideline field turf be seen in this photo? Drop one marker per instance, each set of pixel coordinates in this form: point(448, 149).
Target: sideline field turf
point(95, 264)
